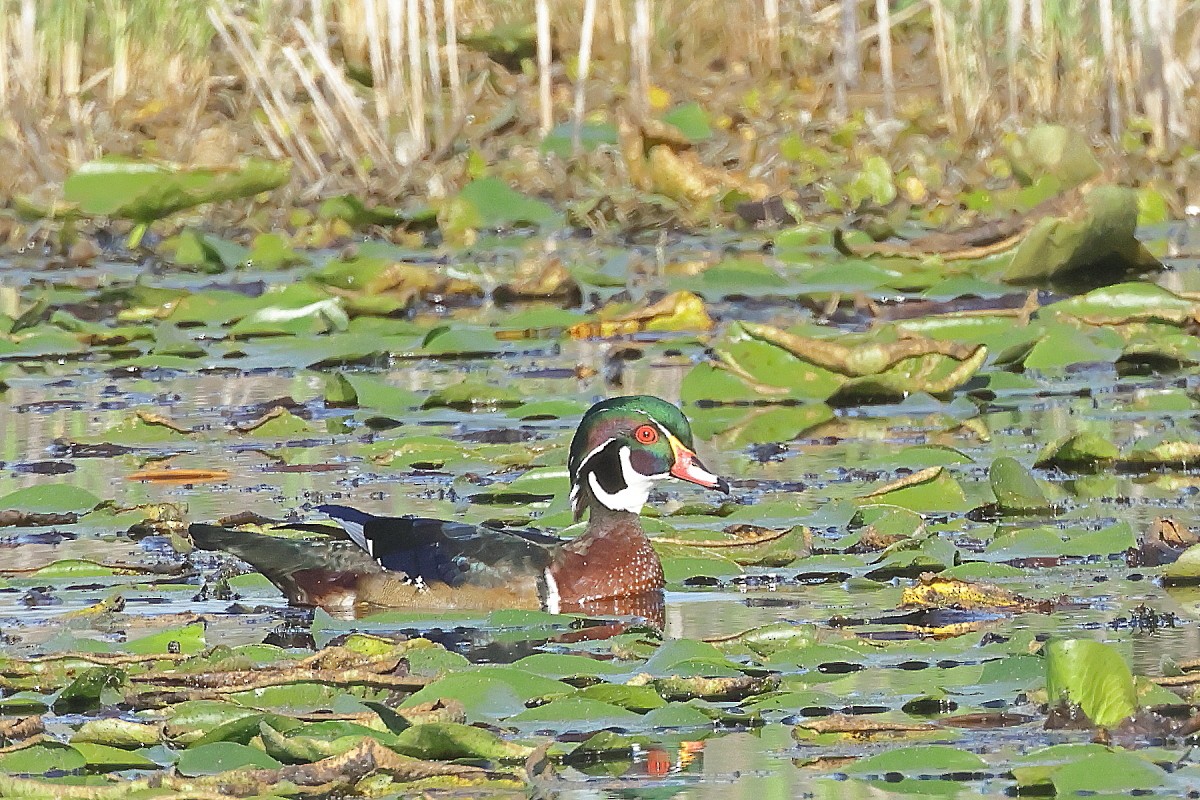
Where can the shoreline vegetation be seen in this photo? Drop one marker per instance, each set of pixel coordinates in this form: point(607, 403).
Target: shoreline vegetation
point(390, 109)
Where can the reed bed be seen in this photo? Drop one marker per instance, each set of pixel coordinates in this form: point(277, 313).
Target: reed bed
point(372, 95)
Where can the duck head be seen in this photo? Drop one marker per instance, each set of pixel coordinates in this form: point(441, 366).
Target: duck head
point(624, 445)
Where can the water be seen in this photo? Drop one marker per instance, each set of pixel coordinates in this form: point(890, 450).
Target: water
point(51, 402)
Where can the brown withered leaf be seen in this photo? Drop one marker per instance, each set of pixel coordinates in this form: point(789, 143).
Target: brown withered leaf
point(152, 418)
point(740, 535)
point(863, 725)
point(933, 591)
point(17, 728)
point(869, 358)
point(1164, 543)
point(15, 518)
point(726, 689)
point(915, 479)
point(337, 774)
point(178, 475)
point(540, 279)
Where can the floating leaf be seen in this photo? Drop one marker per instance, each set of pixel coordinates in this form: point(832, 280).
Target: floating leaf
point(1108, 773)
point(447, 740)
point(50, 498)
point(1016, 490)
point(145, 191)
point(679, 311)
point(1093, 676)
point(41, 758)
point(920, 760)
point(931, 489)
point(218, 757)
point(1099, 237)
point(1080, 451)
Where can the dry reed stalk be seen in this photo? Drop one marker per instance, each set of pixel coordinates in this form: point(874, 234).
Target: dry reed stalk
point(883, 13)
point(546, 114)
point(584, 66)
point(374, 34)
point(367, 135)
point(320, 24)
point(1012, 47)
point(327, 120)
point(433, 56)
point(616, 15)
point(1108, 47)
point(6, 48)
point(773, 33)
point(118, 85)
point(416, 82)
point(392, 80)
point(847, 61)
point(639, 42)
point(453, 73)
point(938, 13)
point(273, 106)
point(28, 60)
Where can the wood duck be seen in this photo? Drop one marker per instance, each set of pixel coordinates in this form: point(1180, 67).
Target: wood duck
point(622, 448)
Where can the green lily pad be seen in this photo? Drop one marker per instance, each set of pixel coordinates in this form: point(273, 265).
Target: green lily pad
point(919, 760)
point(1092, 675)
point(50, 498)
point(1016, 490)
point(218, 757)
point(448, 740)
point(145, 191)
point(102, 758)
point(1108, 773)
point(42, 758)
point(1102, 236)
point(1078, 451)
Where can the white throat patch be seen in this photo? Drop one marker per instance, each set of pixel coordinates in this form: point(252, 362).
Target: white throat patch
point(636, 491)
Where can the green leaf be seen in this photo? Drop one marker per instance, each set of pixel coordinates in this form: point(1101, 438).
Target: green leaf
point(91, 688)
point(41, 758)
point(691, 120)
point(1108, 773)
point(448, 740)
point(103, 758)
point(145, 191)
point(570, 712)
point(496, 204)
point(1080, 451)
point(931, 759)
point(1092, 675)
point(117, 732)
point(1016, 490)
point(188, 639)
point(50, 498)
point(494, 692)
point(218, 757)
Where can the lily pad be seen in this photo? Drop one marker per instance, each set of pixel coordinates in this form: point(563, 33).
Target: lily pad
point(1092, 675)
point(50, 498)
point(146, 191)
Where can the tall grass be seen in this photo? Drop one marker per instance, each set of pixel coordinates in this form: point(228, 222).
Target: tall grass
point(366, 93)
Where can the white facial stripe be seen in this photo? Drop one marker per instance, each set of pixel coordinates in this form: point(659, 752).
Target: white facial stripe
point(553, 599)
point(636, 491)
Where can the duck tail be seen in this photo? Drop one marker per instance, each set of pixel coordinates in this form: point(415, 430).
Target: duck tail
point(309, 573)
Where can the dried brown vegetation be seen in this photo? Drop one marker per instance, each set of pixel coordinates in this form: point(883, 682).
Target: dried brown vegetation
point(389, 97)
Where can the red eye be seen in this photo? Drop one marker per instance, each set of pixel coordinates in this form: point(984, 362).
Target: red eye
point(646, 434)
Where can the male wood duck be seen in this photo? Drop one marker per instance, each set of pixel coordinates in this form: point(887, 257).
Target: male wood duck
point(623, 446)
